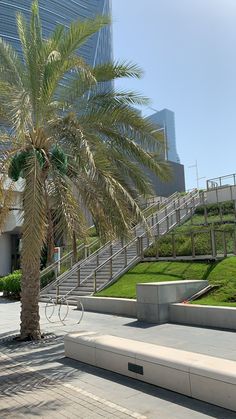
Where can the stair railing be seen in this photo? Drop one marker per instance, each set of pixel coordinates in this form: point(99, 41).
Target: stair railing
point(174, 201)
point(77, 266)
point(161, 227)
point(140, 243)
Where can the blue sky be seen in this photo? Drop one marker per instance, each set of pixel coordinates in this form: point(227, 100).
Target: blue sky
point(187, 49)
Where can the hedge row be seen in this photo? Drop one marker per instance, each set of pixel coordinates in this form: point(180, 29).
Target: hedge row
point(183, 244)
point(214, 209)
point(10, 285)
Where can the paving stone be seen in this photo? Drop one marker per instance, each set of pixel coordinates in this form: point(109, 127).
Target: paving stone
point(36, 381)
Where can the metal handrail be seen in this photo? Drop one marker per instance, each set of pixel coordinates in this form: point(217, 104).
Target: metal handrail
point(186, 200)
point(63, 276)
point(135, 239)
point(80, 264)
point(66, 256)
point(142, 248)
point(216, 183)
point(62, 259)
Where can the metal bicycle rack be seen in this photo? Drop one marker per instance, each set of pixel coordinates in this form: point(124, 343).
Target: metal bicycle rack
point(57, 304)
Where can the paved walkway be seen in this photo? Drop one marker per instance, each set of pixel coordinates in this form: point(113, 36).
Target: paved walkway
point(36, 380)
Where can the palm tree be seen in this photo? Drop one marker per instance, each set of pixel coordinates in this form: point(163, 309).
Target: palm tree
point(73, 144)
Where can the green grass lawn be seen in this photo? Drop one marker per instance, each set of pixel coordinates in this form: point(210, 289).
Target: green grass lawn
point(125, 287)
point(220, 273)
point(223, 274)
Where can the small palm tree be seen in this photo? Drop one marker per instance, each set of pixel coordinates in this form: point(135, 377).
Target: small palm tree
point(73, 143)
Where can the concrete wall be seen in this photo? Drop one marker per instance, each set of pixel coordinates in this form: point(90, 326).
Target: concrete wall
point(154, 299)
point(5, 254)
point(118, 306)
point(206, 316)
point(225, 193)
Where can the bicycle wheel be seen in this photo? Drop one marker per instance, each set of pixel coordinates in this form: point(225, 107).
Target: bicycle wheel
point(80, 308)
point(63, 302)
point(49, 313)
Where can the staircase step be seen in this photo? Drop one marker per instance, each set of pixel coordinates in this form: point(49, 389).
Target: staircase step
point(103, 274)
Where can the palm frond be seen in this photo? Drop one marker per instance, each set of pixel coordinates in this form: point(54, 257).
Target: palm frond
point(79, 32)
point(111, 71)
point(11, 69)
point(68, 217)
point(6, 199)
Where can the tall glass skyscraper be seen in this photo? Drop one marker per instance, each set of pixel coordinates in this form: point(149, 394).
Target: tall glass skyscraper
point(98, 48)
point(166, 119)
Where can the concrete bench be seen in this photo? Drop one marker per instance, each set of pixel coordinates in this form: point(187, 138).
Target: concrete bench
point(202, 377)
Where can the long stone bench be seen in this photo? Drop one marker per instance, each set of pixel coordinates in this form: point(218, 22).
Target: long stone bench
point(202, 377)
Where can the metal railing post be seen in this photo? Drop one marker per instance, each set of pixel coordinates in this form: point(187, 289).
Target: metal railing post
point(85, 251)
point(156, 217)
point(141, 247)
point(78, 277)
point(173, 245)
point(220, 211)
point(111, 270)
point(193, 244)
point(213, 243)
point(224, 244)
point(125, 256)
point(191, 215)
point(95, 281)
point(57, 293)
point(152, 220)
point(177, 214)
point(205, 215)
point(56, 272)
point(234, 234)
point(157, 252)
point(167, 223)
point(158, 229)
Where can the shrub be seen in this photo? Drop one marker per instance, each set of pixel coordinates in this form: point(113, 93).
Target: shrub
point(11, 284)
point(214, 209)
point(2, 283)
point(183, 244)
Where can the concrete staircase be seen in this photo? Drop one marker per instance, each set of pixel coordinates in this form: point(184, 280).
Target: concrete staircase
point(115, 258)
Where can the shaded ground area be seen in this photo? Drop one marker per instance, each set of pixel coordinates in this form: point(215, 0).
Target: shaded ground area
point(38, 381)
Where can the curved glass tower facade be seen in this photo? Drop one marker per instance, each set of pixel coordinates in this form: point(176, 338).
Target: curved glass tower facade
point(97, 50)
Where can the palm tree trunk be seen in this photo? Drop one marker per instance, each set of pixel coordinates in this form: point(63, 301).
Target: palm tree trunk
point(30, 289)
point(50, 229)
point(33, 237)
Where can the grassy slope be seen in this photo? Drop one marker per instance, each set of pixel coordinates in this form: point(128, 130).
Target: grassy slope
point(155, 272)
point(222, 273)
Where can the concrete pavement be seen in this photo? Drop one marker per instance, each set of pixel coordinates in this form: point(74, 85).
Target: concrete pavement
point(38, 381)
